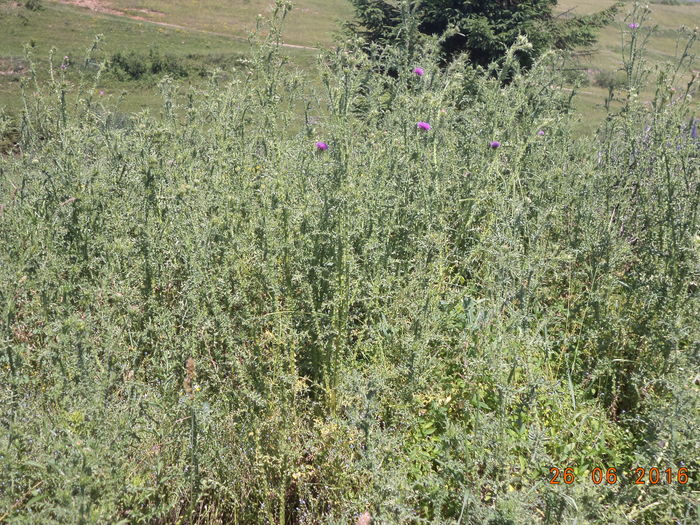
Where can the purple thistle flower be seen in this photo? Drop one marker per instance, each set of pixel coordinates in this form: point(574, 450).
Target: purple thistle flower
point(419, 71)
point(64, 66)
point(633, 25)
point(102, 92)
point(321, 146)
point(424, 125)
point(494, 144)
point(540, 132)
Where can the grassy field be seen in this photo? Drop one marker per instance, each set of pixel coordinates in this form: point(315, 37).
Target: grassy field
point(208, 34)
point(310, 23)
point(71, 30)
point(662, 48)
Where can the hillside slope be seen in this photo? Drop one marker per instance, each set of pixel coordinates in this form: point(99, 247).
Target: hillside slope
point(204, 34)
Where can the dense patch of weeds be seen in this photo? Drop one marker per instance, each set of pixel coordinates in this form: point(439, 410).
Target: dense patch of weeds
point(209, 318)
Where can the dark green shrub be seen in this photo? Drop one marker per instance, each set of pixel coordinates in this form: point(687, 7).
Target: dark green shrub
point(129, 65)
point(33, 5)
point(134, 66)
point(162, 64)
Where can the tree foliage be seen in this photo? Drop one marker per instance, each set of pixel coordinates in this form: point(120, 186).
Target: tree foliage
point(482, 28)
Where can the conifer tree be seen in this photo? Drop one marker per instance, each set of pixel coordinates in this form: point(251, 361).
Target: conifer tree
point(482, 28)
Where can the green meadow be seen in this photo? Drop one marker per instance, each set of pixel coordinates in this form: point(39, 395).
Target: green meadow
point(205, 36)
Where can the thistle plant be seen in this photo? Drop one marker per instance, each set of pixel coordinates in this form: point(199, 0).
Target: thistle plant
point(407, 309)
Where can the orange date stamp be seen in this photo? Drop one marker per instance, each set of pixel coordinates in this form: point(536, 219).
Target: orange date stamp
point(610, 476)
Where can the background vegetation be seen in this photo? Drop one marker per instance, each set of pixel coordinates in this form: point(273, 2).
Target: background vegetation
point(207, 319)
point(485, 29)
point(208, 35)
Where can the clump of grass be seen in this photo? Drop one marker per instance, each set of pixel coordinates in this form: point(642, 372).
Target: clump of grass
point(209, 318)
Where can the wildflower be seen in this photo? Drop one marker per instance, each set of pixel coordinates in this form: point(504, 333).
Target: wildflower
point(321, 146)
point(494, 144)
point(694, 130)
point(364, 519)
point(540, 132)
point(424, 125)
point(633, 25)
point(102, 92)
point(419, 71)
point(64, 66)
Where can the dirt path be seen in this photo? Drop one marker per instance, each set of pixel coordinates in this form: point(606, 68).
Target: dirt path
point(100, 6)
